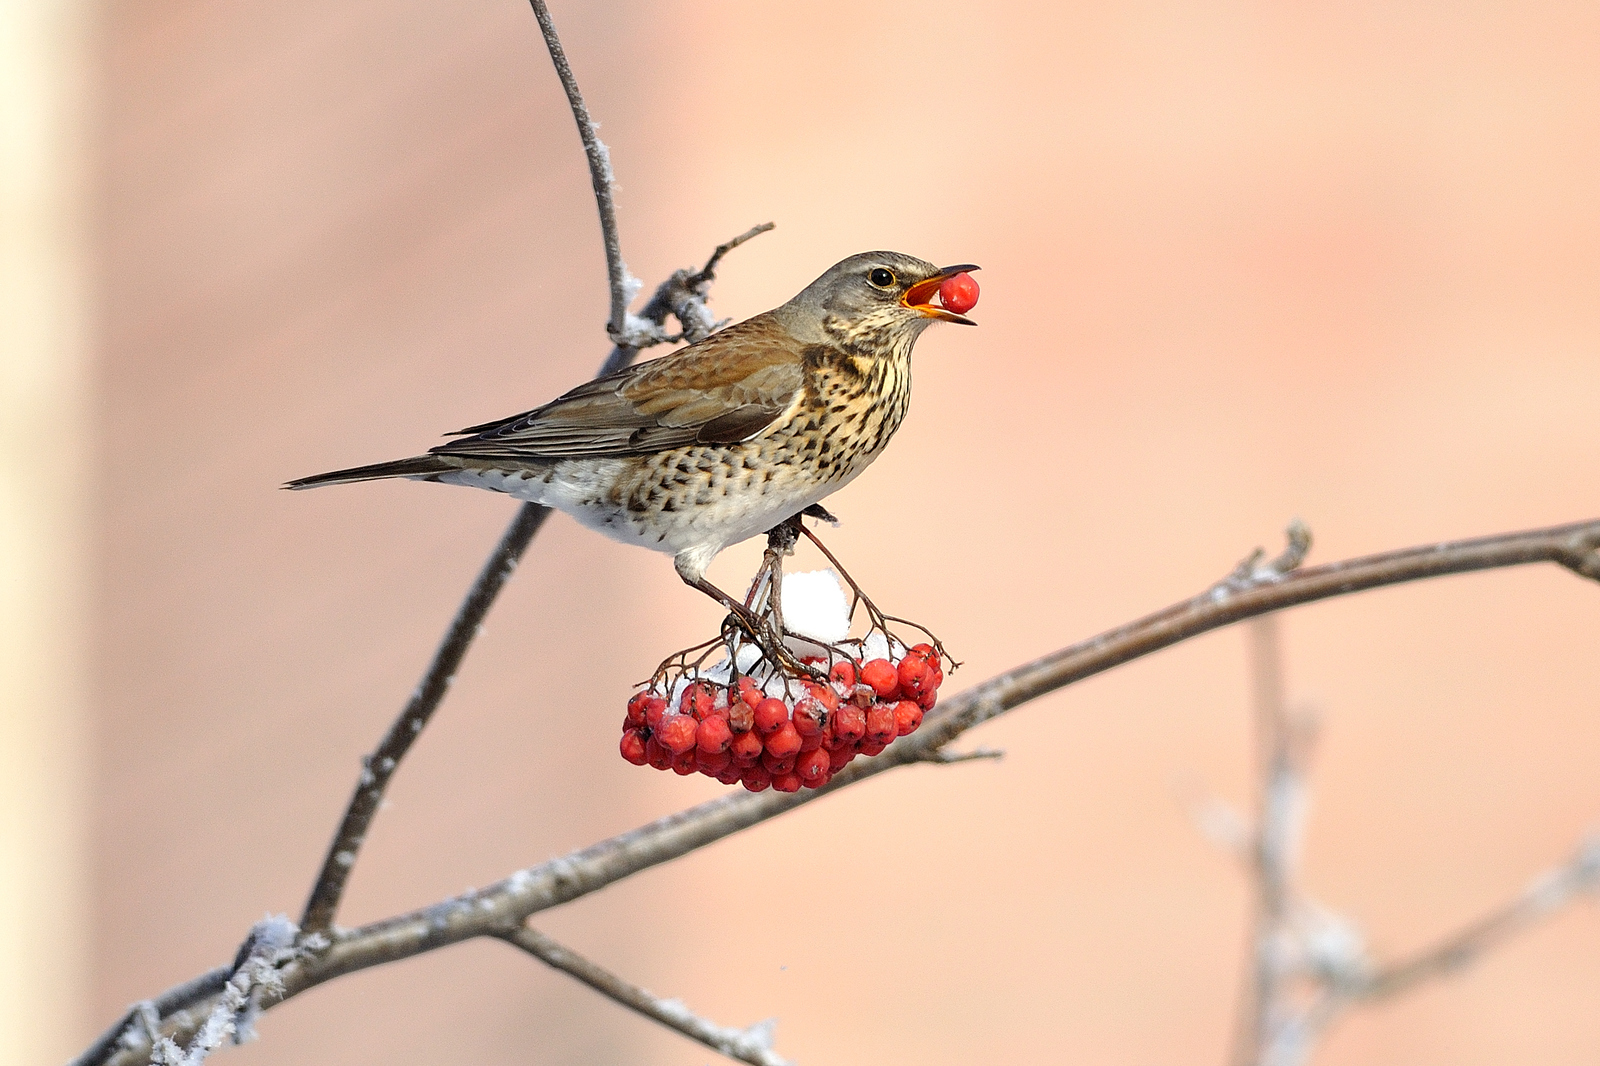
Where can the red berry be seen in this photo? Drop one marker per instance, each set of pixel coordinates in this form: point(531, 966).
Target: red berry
point(881, 675)
point(655, 709)
point(633, 747)
point(849, 724)
point(844, 673)
point(789, 782)
point(880, 724)
point(811, 742)
point(746, 747)
point(713, 735)
point(839, 758)
point(872, 747)
point(808, 717)
point(959, 293)
point(697, 700)
point(685, 764)
point(824, 695)
point(813, 766)
point(777, 764)
point(914, 676)
point(907, 717)
point(657, 755)
point(784, 741)
point(770, 714)
point(757, 779)
point(732, 774)
point(927, 699)
point(636, 708)
point(677, 733)
point(712, 763)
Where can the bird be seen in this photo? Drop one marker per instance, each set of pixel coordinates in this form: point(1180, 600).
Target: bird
point(722, 439)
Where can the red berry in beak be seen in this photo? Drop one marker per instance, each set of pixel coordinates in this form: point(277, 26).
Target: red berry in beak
point(959, 293)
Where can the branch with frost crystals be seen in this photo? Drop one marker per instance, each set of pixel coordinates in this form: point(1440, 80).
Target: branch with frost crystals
point(190, 992)
point(752, 1045)
point(270, 945)
point(682, 295)
point(488, 912)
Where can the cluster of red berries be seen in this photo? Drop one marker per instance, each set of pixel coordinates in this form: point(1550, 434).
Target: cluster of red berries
point(738, 733)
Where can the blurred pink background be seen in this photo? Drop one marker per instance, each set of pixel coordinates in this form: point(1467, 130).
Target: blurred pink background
point(1241, 263)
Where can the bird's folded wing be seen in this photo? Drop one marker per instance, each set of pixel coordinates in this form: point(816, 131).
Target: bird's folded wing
point(728, 388)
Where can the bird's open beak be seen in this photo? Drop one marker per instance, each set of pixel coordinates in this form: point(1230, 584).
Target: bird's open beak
point(920, 296)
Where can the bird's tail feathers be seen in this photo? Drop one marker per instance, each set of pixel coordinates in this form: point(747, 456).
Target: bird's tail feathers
point(419, 466)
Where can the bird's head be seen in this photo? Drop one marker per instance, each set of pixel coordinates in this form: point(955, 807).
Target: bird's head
point(873, 298)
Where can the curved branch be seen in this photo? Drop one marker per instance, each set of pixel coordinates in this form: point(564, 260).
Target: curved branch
point(600, 174)
point(1250, 590)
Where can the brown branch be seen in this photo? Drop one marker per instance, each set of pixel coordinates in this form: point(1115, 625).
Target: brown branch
point(378, 767)
point(506, 904)
point(600, 176)
point(751, 1045)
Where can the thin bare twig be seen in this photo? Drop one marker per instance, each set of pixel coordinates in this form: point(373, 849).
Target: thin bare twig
point(752, 1045)
point(507, 903)
point(623, 287)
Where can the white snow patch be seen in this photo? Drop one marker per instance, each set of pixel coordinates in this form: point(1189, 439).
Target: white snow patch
point(814, 606)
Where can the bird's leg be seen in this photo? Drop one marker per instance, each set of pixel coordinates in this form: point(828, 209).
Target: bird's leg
point(781, 540)
point(746, 620)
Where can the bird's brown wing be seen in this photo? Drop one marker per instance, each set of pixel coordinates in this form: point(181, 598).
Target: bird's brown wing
point(728, 388)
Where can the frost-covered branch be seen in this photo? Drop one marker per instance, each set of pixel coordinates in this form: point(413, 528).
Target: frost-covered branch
point(752, 1045)
point(233, 1002)
point(507, 903)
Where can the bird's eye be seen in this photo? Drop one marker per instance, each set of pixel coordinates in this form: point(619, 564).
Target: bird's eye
point(881, 277)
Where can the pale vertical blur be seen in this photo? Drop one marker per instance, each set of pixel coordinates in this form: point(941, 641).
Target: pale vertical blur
point(1242, 263)
point(44, 556)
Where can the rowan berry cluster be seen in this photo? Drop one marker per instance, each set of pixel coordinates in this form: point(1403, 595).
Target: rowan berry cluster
point(786, 734)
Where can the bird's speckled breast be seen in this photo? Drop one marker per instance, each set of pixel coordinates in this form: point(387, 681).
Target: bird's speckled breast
point(722, 494)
